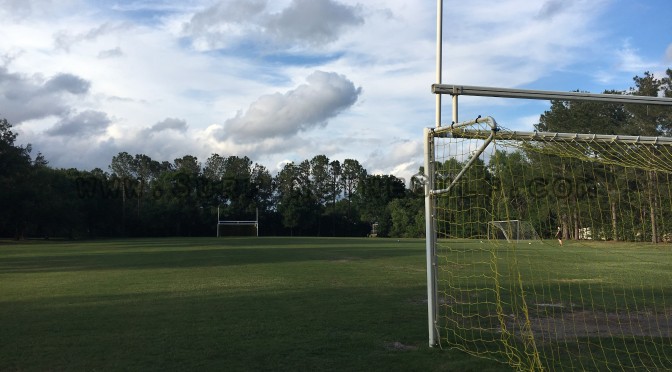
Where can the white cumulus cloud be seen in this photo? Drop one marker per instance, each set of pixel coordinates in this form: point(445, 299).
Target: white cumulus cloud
point(310, 105)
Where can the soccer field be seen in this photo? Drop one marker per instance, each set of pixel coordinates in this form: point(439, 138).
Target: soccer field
point(218, 304)
point(254, 303)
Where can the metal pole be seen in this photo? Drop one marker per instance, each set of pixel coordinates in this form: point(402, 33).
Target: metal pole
point(439, 41)
point(430, 238)
point(218, 221)
point(430, 231)
point(466, 90)
point(551, 136)
point(466, 167)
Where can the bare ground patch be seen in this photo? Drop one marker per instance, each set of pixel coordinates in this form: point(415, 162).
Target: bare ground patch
point(345, 259)
point(566, 324)
point(398, 346)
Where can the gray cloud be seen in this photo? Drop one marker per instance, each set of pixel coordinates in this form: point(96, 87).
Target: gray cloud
point(24, 97)
point(25, 9)
point(64, 39)
point(110, 53)
point(226, 12)
point(16, 9)
point(67, 83)
point(552, 8)
point(86, 151)
point(313, 21)
point(282, 115)
point(179, 125)
point(302, 23)
point(84, 124)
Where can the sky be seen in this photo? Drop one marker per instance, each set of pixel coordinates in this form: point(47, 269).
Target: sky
point(285, 80)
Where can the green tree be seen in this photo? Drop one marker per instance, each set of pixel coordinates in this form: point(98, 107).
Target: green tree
point(352, 173)
point(122, 173)
point(187, 164)
point(215, 167)
point(294, 198)
point(374, 195)
point(289, 194)
point(146, 171)
point(320, 178)
point(585, 117)
point(335, 191)
point(15, 183)
point(238, 188)
point(262, 188)
point(407, 217)
point(321, 186)
point(652, 121)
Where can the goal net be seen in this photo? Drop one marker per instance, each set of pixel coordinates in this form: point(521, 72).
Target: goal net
point(601, 300)
point(512, 230)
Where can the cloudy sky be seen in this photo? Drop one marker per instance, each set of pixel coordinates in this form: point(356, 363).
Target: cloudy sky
point(279, 80)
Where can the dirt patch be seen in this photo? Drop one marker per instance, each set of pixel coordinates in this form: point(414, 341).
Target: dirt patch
point(566, 324)
point(344, 259)
point(423, 301)
point(398, 346)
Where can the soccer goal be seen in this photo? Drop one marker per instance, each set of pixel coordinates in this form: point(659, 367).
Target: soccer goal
point(512, 230)
point(237, 227)
point(600, 301)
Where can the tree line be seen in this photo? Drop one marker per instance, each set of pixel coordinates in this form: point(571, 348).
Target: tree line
point(140, 196)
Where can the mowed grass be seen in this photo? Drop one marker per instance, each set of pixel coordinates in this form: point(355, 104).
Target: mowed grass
point(219, 304)
point(279, 303)
point(620, 265)
point(592, 305)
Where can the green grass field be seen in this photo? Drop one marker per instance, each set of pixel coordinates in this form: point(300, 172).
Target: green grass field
point(269, 303)
point(218, 304)
point(589, 305)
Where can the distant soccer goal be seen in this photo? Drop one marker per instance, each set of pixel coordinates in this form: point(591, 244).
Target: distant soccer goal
point(512, 230)
point(237, 227)
point(600, 301)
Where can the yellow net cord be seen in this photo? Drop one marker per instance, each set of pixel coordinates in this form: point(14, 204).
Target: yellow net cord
point(554, 254)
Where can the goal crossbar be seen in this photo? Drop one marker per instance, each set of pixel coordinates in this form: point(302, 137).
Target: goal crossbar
point(467, 90)
point(549, 136)
point(596, 147)
point(237, 223)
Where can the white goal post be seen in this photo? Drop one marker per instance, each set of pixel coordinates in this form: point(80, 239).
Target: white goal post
point(512, 230)
point(254, 223)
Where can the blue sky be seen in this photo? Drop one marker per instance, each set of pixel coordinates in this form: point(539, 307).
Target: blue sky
point(284, 80)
